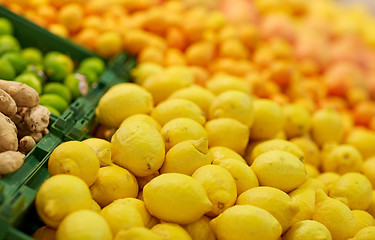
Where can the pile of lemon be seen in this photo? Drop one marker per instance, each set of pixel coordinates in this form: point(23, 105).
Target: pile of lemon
point(181, 161)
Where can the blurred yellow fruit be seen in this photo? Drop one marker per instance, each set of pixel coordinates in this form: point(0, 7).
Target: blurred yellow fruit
point(170, 231)
point(308, 229)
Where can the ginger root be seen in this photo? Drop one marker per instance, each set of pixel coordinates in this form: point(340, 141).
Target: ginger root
point(37, 118)
point(10, 161)
point(7, 104)
point(8, 134)
point(22, 94)
point(26, 144)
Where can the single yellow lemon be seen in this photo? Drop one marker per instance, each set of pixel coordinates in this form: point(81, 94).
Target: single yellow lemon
point(246, 222)
point(200, 229)
point(297, 120)
point(311, 170)
point(328, 179)
point(342, 159)
point(170, 231)
point(144, 118)
point(308, 229)
point(310, 150)
point(144, 70)
point(83, 224)
point(74, 158)
point(371, 208)
point(273, 200)
point(176, 197)
point(45, 233)
point(102, 149)
point(367, 233)
point(60, 195)
point(137, 233)
point(369, 170)
point(222, 82)
point(138, 147)
point(364, 219)
point(305, 198)
point(113, 182)
point(220, 152)
point(362, 139)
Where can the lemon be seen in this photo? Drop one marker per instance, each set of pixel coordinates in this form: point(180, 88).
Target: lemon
point(310, 150)
point(311, 170)
point(177, 108)
point(364, 219)
point(279, 169)
point(102, 149)
point(44, 233)
point(137, 233)
point(297, 120)
point(308, 229)
point(367, 233)
point(220, 152)
point(326, 125)
point(75, 158)
point(162, 85)
point(186, 157)
point(60, 195)
point(142, 181)
point(342, 159)
point(233, 104)
point(227, 132)
point(122, 101)
point(219, 185)
point(95, 206)
point(250, 148)
point(242, 174)
point(176, 197)
point(246, 222)
point(83, 224)
point(328, 179)
point(222, 82)
point(312, 183)
point(335, 215)
point(142, 117)
point(363, 140)
point(144, 70)
point(139, 205)
point(113, 182)
point(138, 147)
point(277, 144)
point(353, 188)
point(200, 229)
point(121, 214)
point(305, 199)
point(197, 94)
point(181, 129)
point(170, 231)
point(369, 170)
point(371, 208)
point(268, 119)
point(274, 201)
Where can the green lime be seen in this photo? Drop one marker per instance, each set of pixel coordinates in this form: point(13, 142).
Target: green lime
point(58, 66)
point(37, 70)
point(16, 59)
point(30, 80)
point(8, 43)
point(32, 55)
point(93, 63)
point(77, 84)
point(91, 75)
point(7, 71)
point(6, 27)
point(55, 101)
point(59, 89)
point(52, 110)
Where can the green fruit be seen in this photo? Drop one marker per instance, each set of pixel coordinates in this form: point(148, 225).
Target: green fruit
point(7, 71)
point(58, 66)
point(6, 27)
point(8, 43)
point(93, 63)
point(77, 84)
point(32, 55)
point(37, 70)
point(91, 75)
point(55, 101)
point(30, 80)
point(16, 59)
point(58, 89)
point(52, 110)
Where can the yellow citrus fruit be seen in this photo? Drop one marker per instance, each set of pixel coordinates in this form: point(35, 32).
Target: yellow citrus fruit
point(200, 229)
point(369, 170)
point(277, 144)
point(197, 94)
point(222, 82)
point(177, 108)
point(326, 125)
point(142, 181)
point(113, 182)
point(309, 148)
point(60, 195)
point(144, 118)
point(45, 233)
point(311, 170)
point(83, 224)
point(308, 229)
point(74, 158)
point(102, 149)
point(268, 119)
point(367, 233)
point(144, 70)
point(220, 187)
point(354, 189)
point(138, 147)
point(335, 215)
point(342, 159)
point(109, 44)
point(246, 222)
point(220, 152)
point(328, 179)
point(170, 231)
point(274, 201)
point(136, 233)
point(122, 101)
point(242, 174)
point(233, 104)
point(279, 169)
point(364, 219)
point(71, 16)
point(363, 140)
point(371, 208)
point(186, 157)
point(181, 129)
point(305, 199)
point(227, 132)
point(95, 206)
point(176, 197)
point(312, 183)
point(297, 120)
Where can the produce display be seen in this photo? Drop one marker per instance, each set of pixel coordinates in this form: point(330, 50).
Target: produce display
point(244, 120)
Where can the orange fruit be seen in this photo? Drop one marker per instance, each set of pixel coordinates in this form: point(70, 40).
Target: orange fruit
point(71, 16)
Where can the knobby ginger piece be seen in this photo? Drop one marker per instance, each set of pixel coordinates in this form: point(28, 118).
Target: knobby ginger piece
point(26, 144)
point(37, 118)
point(8, 134)
point(7, 104)
point(10, 161)
point(22, 94)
